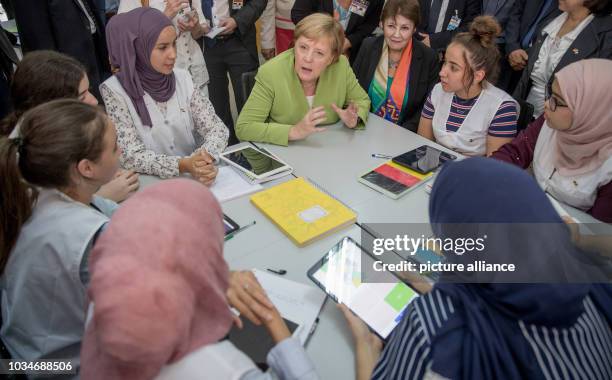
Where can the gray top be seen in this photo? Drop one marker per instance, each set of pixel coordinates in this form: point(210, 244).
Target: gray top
point(43, 297)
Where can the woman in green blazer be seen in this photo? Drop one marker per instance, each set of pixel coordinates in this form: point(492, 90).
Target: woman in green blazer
point(303, 87)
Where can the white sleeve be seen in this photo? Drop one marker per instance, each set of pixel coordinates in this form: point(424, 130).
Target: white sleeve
point(268, 26)
point(128, 5)
point(220, 360)
point(197, 5)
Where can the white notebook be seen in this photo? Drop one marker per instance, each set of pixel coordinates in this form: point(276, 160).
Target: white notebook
point(230, 185)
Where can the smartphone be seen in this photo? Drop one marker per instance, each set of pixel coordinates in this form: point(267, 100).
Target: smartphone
point(423, 159)
point(186, 14)
point(229, 225)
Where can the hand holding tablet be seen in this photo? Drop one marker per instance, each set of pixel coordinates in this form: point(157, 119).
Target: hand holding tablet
point(380, 305)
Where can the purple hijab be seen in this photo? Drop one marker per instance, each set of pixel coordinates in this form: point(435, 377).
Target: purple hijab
point(131, 38)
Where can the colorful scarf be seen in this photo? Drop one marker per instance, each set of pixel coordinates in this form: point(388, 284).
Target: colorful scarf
point(389, 95)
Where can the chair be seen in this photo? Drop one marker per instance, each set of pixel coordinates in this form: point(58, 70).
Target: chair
point(526, 115)
point(248, 81)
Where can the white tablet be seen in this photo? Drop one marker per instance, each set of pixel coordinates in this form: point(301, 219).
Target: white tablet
point(255, 163)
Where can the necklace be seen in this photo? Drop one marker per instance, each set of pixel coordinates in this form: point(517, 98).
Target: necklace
point(393, 64)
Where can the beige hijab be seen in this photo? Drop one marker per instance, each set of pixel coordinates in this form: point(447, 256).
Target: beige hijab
point(586, 87)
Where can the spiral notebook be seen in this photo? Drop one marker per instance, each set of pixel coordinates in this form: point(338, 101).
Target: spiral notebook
point(303, 211)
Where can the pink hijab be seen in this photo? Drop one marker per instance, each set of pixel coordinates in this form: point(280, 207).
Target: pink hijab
point(586, 87)
point(158, 283)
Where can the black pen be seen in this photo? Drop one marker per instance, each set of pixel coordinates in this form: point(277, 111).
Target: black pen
point(377, 155)
point(277, 271)
point(231, 235)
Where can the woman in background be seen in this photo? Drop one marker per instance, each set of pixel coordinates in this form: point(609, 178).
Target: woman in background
point(190, 26)
point(396, 69)
point(583, 30)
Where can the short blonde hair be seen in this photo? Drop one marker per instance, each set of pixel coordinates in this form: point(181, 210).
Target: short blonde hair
point(320, 25)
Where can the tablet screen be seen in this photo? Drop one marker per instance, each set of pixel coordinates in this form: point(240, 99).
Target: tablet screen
point(423, 159)
point(254, 161)
point(380, 305)
point(255, 341)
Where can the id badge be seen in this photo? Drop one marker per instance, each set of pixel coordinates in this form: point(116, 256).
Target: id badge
point(454, 22)
point(237, 4)
point(359, 7)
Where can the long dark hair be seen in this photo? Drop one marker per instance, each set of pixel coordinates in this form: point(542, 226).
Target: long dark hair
point(54, 137)
point(40, 77)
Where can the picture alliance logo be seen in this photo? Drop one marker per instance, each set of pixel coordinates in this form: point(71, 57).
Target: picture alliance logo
point(411, 245)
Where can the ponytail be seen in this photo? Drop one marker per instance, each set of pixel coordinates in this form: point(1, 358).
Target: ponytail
point(16, 197)
point(54, 137)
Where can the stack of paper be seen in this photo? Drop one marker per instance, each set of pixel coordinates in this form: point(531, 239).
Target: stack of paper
point(230, 185)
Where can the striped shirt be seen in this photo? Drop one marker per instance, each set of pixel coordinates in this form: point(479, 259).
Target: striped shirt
point(502, 125)
point(583, 351)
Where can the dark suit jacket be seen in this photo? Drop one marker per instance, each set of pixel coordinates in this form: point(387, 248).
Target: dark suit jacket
point(467, 11)
point(358, 27)
point(595, 41)
point(60, 25)
point(523, 15)
point(424, 71)
point(8, 58)
point(245, 19)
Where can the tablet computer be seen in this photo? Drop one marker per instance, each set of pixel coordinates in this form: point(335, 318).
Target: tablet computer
point(254, 162)
point(424, 159)
point(229, 225)
point(380, 304)
point(255, 341)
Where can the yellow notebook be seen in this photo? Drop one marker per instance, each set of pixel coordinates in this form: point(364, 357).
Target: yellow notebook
point(301, 211)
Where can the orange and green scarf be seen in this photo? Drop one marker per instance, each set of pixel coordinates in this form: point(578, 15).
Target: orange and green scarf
point(389, 95)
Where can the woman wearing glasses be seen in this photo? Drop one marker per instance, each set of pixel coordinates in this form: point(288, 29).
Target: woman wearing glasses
point(570, 147)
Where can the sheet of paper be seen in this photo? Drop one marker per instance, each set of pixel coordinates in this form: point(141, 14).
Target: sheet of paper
point(215, 31)
point(230, 185)
point(297, 302)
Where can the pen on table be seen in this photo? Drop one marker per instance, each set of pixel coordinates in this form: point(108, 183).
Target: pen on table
point(231, 235)
point(277, 271)
point(385, 156)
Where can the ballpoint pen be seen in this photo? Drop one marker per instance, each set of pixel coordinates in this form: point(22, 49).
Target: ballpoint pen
point(231, 235)
point(385, 156)
point(277, 271)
